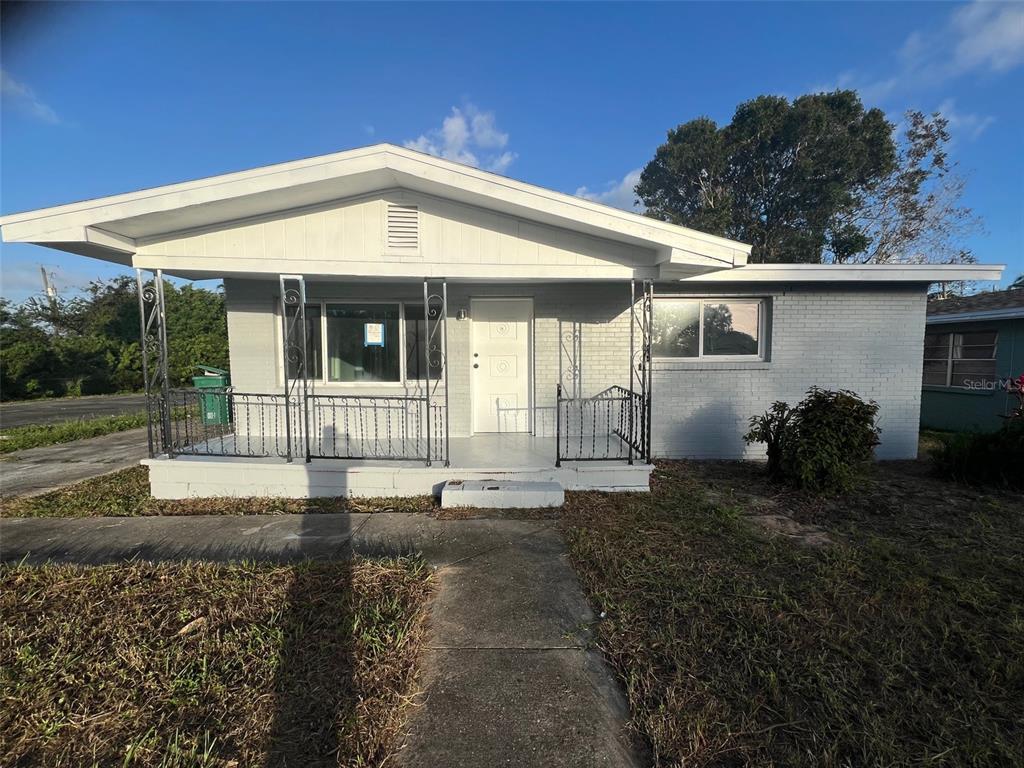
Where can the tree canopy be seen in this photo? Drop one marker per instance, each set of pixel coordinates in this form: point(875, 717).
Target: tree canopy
point(90, 344)
point(817, 179)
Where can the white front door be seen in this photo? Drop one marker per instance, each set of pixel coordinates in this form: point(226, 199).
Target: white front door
point(500, 359)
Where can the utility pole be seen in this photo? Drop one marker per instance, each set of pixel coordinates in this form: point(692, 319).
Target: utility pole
point(51, 296)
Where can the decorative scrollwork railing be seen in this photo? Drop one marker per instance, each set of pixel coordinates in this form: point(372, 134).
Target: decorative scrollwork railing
point(224, 422)
point(607, 426)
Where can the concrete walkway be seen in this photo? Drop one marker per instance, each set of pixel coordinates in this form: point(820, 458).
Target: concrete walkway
point(37, 470)
point(508, 676)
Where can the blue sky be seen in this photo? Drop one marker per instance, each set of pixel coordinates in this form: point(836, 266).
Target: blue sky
point(106, 98)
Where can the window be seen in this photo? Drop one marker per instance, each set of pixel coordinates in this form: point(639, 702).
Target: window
point(415, 341)
point(363, 342)
point(962, 360)
point(314, 367)
point(708, 328)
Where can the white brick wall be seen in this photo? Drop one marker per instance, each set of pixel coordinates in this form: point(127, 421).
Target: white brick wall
point(864, 339)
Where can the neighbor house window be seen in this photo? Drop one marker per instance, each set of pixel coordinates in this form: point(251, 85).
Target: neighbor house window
point(708, 328)
point(363, 342)
point(314, 367)
point(962, 360)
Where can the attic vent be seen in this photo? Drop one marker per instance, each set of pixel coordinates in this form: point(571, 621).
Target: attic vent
point(403, 227)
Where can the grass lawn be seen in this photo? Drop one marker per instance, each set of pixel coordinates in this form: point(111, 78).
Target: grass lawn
point(126, 494)
point(37, 435)
point(208, 665)
point(902, 643)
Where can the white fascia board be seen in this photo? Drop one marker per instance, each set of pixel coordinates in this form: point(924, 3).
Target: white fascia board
point(1008, 313)
point(851, 273)
point(325, 175)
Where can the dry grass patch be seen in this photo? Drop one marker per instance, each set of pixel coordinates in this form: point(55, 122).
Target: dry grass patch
point(126, 494)
point(900, 644)
point(208, 665)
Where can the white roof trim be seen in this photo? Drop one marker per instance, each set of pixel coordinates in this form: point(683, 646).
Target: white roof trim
point(851, 273)
point(151, 213)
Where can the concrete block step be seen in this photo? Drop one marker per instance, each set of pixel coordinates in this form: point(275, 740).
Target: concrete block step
point(501, 494)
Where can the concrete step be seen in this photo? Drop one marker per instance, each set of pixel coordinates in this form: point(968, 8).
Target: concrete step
point(501, 494)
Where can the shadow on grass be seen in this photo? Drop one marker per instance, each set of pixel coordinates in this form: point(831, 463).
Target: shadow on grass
point(314, 688)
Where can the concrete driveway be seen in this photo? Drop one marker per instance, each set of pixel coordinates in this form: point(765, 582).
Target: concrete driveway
point(27, 412)
point(37, 470)
point(509, 673)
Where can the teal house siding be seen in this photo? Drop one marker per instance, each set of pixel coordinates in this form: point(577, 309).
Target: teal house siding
point(956, 409)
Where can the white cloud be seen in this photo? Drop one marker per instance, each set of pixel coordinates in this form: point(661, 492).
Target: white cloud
point(468, 135)
point(618, 194)
point(25, 99)
point(980, 38)
point(988, 36)
point(966, 124)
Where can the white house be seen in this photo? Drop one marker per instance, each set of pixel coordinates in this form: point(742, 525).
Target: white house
point(397, 320)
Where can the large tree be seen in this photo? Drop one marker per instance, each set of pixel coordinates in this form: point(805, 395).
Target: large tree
point(819, 178)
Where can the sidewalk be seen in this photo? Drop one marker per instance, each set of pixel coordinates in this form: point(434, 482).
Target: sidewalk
point(507, 674)
point(37, 470)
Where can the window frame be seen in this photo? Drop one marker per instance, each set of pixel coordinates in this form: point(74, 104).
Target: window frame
point(763, 302)
point(403, 382)
point(949, 360)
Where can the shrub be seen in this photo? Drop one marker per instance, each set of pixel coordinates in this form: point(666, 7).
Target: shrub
point(770, 428)
point(820, 444)
point(995, 458)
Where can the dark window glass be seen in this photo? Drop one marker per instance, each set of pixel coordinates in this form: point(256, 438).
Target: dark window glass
point(314, 367)
point(363, 342)
point(415, 343)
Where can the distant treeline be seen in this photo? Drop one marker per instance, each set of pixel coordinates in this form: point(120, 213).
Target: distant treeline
point(90, 344)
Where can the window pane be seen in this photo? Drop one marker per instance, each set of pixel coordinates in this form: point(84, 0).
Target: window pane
point(979, 374)
point(676, 324)
point(935, 372)
point(415, 338)
point(936, 346)
point(731, 327)
point(974, 346)
point(314, 367)
point(362, 342)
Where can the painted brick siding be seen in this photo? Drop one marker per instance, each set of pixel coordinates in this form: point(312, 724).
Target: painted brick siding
point(867, 340)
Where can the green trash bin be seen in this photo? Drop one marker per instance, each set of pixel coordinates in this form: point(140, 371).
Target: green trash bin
point(213, 406)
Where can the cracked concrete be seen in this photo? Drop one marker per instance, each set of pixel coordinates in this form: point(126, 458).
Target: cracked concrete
point(508, 676)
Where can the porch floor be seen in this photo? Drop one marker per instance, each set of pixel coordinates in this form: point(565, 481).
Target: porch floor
point(508, 456)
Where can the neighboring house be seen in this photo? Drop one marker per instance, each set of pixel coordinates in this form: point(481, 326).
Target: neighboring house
point(440, 322)
point(973, 345)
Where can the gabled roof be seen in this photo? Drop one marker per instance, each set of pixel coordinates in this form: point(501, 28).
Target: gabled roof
point(990, 305)
point(112, 228)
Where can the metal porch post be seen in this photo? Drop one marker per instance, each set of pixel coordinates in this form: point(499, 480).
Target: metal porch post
point(426, 360)
point(294, 346)
point(153, 338)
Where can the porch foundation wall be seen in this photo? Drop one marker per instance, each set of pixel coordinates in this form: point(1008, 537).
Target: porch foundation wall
point(193, 477)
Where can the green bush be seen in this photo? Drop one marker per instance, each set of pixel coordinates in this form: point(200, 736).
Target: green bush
point(995, 458)
point(821, 444)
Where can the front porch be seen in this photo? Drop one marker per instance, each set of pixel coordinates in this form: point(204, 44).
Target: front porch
point(511, 456)
point(524, 386)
